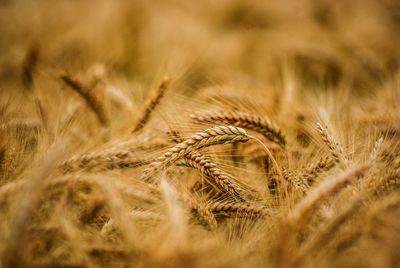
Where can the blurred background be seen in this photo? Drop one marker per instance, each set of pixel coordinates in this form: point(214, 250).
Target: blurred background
point(326, 44)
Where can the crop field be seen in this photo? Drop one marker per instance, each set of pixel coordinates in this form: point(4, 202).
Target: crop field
point(173, 133)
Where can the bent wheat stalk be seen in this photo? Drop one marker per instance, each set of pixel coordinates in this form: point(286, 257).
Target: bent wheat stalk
point(260, 124)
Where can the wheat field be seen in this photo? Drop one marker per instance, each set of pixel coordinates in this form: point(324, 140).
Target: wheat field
point(174, 133)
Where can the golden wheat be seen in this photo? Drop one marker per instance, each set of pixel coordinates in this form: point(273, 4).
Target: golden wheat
point(276, 143)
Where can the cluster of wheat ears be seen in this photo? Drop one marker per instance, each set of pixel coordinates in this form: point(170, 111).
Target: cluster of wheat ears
point(194, 170)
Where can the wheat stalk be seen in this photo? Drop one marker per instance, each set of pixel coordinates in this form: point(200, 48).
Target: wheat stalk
point(254, 122)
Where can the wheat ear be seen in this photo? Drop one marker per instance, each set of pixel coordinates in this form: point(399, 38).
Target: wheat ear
point(302, 181)
point(119, 155)
point(212, 172)
point(390, 183)
point(211, 136)
point(153, 99)
point(334, 147)
point(102, 160)
point(322, 165)
point(260, 124)
point(297, 183)
point(376, 149)
point(91, 98)
point(202, 213)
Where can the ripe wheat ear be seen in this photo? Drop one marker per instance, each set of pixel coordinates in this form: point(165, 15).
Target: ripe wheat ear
point(209, 137)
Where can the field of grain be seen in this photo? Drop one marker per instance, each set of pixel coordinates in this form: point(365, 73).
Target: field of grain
point(173, 133)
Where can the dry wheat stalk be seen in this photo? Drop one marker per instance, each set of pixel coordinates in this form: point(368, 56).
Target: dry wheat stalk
point(91, 97)
point(238, 209)
point(254, 122)
point(334, 147)
point(209, 137)
point(313, 199)
point(150, 104)
point(212, 172)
